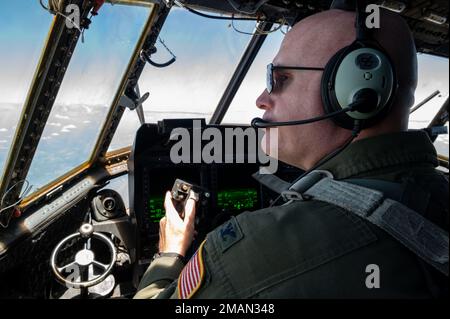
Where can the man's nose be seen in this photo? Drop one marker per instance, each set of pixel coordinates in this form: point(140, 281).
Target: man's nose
point(264, 101)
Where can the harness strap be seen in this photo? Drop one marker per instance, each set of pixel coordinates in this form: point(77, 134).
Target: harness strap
point(411, 229)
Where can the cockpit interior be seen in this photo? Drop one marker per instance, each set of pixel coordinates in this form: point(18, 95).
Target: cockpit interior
point(91, 91)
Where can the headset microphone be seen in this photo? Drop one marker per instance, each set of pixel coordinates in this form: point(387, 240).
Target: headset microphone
point(358, 105)
point(260, 123)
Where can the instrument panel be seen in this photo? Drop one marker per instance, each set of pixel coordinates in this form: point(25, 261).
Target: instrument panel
point(152, 173)
point(231, 189)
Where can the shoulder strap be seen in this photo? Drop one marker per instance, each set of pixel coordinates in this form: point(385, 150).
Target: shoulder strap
point(272, 182)
point(376, 201)
point(411, 229)
point(394, 191)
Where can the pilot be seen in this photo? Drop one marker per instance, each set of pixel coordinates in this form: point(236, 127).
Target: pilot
point(311, 248)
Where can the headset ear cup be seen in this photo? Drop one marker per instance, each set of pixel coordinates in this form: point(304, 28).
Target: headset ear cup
point(338, 85)
point(329, 100)
point(327, 81)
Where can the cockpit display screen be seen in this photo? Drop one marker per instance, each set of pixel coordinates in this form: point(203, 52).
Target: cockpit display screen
point(156, 208)
point(237, 199)
point(230, 200)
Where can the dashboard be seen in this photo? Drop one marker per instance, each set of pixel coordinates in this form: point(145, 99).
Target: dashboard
point(133, 229)
point(230, 186)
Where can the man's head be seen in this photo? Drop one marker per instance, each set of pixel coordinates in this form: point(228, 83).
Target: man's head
point(311, 43)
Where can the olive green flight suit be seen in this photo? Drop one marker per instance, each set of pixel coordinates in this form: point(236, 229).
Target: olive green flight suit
point(311, 249)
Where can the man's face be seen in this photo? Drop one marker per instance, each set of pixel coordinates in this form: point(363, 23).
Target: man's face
point(297, 97)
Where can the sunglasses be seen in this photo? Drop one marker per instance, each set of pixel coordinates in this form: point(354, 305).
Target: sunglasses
point(271, 82)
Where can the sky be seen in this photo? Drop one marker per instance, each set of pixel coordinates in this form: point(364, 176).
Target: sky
point(88, 88)
point(207, 53)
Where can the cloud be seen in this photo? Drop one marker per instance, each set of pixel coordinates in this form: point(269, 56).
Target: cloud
point(88, 109)
point(62, 117)
point(69, 127)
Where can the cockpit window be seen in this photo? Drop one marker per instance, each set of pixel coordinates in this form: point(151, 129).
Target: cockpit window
point(24, 26)
point(243, 108)
point(91, 81)
point(433, 76)
point(207, 53)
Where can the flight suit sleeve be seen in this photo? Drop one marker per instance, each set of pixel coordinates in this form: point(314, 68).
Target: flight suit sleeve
point(204, 276)
point(159, 275)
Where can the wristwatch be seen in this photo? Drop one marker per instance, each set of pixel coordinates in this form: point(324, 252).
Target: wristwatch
point(178, 256)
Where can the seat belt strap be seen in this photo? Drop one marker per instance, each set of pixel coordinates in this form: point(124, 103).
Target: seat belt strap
point(272, 182)
point(390, 190)
point(411, 229)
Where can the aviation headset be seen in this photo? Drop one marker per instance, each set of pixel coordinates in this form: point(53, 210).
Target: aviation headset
point(361, 73)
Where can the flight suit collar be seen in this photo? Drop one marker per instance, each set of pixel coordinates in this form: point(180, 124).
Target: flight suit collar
point(382, 152)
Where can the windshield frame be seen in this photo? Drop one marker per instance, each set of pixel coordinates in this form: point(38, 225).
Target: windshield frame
point(129, 81)
point(26, 138)
point(47, 59)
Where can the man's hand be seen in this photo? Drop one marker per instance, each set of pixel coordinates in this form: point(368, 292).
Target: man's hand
point(176, 232)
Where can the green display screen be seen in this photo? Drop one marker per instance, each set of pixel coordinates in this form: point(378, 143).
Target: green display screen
point(231, 199)
point(156, 209)
point(237, 199)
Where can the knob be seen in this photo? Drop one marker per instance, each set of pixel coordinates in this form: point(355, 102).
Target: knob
point(86, 230)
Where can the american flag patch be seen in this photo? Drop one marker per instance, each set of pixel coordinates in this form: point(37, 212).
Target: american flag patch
point(192, 275)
